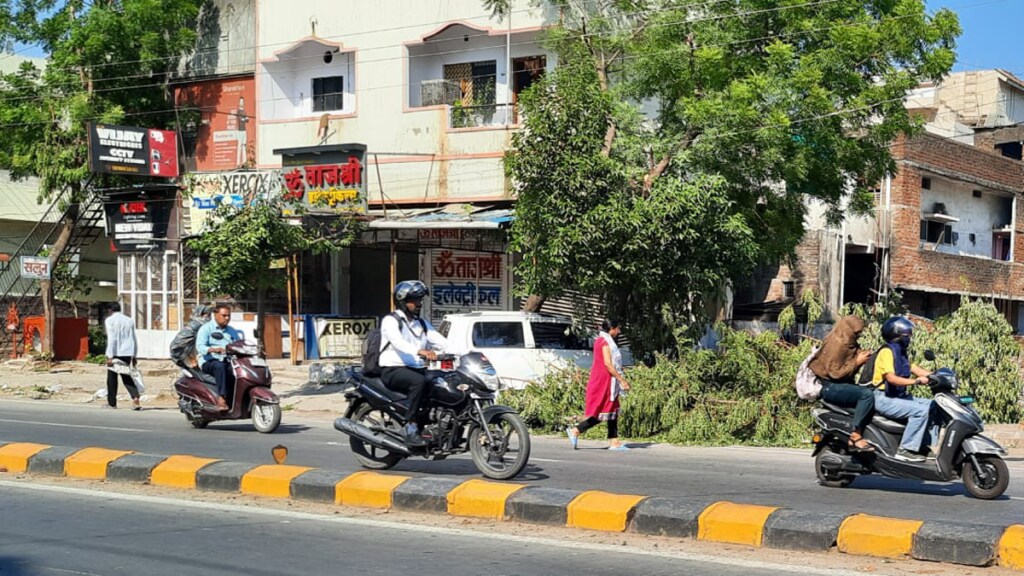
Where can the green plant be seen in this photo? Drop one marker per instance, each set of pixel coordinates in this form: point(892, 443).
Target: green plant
point(461, 117)
point(97, 340)
point(98, 359)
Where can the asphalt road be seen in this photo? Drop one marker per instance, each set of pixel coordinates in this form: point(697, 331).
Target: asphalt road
point(51, 531)
point(780, 477)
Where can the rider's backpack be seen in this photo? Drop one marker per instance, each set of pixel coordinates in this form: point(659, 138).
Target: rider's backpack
point(867, 373)
point(372, 348)
point(183, 347)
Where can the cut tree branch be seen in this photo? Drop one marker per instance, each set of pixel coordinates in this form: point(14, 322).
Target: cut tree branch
point(663, 164)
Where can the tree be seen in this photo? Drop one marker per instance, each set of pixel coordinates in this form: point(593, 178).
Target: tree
point(241, 244)
point(743, 108)
point(109, 60)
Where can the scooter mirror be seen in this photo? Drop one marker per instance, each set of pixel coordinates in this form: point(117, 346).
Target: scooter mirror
point(929, 355)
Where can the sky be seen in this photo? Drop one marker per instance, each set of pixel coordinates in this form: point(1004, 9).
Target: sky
point(990, 28)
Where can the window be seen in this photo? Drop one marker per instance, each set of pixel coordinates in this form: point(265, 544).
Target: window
point(498, 335)
point(328, 93)
point(553, 336)
point(926, 183)
point(936, 232)
point(789, 289)
point(477, 81)
point(444, 328)
point(148, 288)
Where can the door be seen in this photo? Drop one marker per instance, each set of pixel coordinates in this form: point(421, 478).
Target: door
point(525, 73)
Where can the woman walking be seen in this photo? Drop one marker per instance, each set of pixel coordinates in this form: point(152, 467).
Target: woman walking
point(605, 386)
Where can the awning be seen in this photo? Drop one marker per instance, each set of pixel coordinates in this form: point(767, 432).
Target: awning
point(463, 216)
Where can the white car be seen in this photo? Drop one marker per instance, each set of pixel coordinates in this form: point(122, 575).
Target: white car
point(523, 346)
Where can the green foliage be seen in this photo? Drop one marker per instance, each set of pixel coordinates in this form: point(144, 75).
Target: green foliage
point(98, 359)
point(241, 243)
point(976, 341)
point(97, 340)
point(108, 61)
point(758, 105)
point(740, 394)
point(743, 393)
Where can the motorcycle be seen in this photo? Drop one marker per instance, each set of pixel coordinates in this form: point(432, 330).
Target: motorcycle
point(964, 452)
point(462, 417)
point(251, 396)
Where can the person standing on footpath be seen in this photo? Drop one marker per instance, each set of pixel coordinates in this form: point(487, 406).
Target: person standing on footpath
point(605, 386)
point(121, 345)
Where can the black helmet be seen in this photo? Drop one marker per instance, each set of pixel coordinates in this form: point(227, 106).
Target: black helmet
point(897, 329)
point(407, 289)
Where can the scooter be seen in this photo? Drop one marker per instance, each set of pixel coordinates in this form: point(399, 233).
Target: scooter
point(963, 454)
point(251, 396)
point(462, 416)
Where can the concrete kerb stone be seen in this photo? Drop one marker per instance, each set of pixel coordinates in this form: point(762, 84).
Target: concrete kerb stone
point(794, 530)
point(540, 505)
point(133, 467)
point(317, 485)
point(424, 494)
point(50, 461)
point(222, 476)
point(668, 517)
point(970, 544)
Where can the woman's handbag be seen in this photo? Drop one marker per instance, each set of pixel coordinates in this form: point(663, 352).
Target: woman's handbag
point(808, 386)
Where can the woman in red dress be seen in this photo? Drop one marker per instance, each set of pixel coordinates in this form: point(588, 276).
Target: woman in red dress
point(605, 386)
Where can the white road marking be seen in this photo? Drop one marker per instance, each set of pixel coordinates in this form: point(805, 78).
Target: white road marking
point(74, 425)
point(532, 459)
point(476, 535)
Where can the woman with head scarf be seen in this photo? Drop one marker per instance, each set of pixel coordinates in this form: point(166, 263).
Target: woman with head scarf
point(836, 364)
point(605, 386)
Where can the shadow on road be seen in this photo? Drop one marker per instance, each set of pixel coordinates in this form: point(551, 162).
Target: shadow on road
point(465, 468)
point(881, 484)
point(247, 427)
point(14, 566)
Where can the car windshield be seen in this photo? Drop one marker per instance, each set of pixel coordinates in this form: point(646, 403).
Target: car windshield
point(498, 335)
point(444, 328)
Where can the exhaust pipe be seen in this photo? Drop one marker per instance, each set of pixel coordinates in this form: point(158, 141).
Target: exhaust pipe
point(346, 426)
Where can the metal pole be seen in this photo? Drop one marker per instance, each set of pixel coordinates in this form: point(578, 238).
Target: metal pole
point(291, 318)
point(508, 70)
point(394, 262)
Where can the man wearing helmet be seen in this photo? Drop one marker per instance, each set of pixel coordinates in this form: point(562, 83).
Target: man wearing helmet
point(407, 342)
point(892, 375)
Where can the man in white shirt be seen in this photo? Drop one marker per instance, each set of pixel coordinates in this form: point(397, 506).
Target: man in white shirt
point(121, 345)
point(407, 342)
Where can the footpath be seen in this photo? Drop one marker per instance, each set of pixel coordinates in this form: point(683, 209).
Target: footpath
point(706, 519)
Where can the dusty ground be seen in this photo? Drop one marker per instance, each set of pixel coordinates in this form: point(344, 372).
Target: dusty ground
point(80, 382)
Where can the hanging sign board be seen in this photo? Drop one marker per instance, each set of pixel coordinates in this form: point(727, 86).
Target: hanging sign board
point(133, 151)
point(35, 267)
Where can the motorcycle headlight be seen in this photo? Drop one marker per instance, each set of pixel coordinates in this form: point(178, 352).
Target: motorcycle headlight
point(491, 381)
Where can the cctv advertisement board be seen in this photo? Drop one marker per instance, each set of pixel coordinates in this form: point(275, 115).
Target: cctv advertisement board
point(133, 151)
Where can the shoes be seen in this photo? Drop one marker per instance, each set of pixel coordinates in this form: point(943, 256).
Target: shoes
point(109, 407)
point(860, 445)
point(413, 438)
point(908, 456)
point(222, 404)
point(619, 448)
point(135, 405)
point(574, 437)
point(927, 452)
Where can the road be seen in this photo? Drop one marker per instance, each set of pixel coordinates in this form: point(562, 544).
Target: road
point(781, 477)
point(61, 530)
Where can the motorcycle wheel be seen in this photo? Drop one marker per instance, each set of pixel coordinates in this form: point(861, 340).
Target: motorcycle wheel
point(266, 417)
point(996, 481)
point(827, 478)
point(198, 423)
point(368, 455)
point(508, 455)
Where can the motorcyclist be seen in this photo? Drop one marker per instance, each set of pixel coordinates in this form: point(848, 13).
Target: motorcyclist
point(892, 376)
point(211, 346)
point(407, 343)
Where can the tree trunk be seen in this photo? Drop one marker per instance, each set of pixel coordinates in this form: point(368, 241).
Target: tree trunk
point(533, 303)
point(67, 227)
point(261, 304)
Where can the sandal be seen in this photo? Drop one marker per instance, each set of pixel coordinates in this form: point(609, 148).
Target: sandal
point(860, 445)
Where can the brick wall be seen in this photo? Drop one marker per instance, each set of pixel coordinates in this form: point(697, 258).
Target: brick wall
point(913, 266)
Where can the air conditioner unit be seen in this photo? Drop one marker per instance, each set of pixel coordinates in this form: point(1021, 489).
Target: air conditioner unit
point(439, 92)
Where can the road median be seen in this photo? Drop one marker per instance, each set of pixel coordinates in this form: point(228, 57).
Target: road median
point(720, 521)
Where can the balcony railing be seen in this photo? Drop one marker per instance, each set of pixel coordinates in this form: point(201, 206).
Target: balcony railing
point(481, 116)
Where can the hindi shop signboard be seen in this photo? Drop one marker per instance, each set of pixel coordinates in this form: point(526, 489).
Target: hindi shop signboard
point(35, 267)
point(325, 177)
point(341, 337)
point(466, 281)
point(133, 151)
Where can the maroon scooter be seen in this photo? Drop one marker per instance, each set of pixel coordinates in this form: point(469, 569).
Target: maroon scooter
point(251, 396)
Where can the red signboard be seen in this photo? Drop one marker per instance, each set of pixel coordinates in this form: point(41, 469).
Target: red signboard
point(226, 135)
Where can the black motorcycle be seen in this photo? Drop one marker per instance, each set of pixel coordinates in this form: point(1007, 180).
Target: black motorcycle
point(462, 416)
point(964, 453)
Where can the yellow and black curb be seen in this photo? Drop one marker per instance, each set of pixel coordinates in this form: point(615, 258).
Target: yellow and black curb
point(717, 521)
